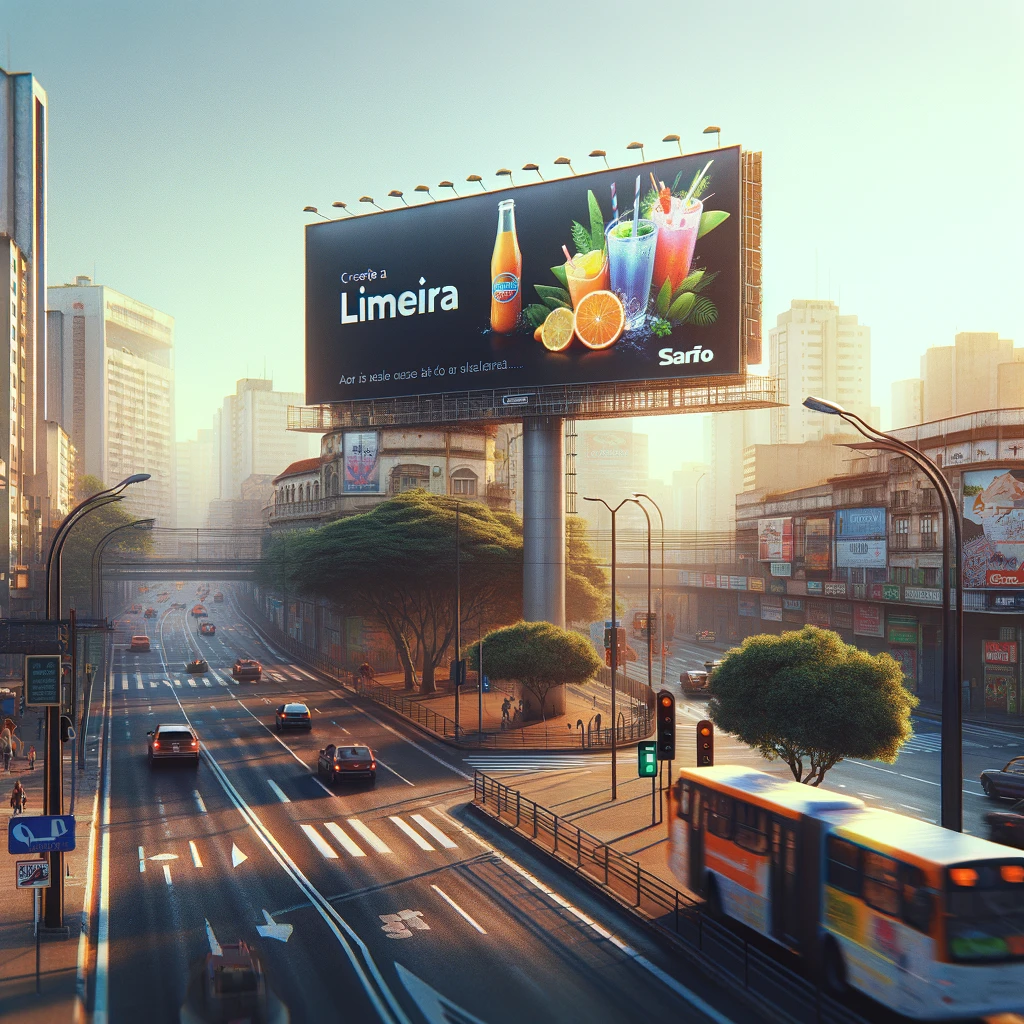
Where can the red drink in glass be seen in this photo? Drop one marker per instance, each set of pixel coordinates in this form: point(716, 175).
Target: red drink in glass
point(677, 237)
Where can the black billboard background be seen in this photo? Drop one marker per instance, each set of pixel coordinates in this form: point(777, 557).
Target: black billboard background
point(450, 243)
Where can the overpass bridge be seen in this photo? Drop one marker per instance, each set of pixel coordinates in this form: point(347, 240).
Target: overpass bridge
point(184, 555)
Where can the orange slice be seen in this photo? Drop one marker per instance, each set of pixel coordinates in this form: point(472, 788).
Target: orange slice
point(536, 333)
point(600, 319)
point(556, 333)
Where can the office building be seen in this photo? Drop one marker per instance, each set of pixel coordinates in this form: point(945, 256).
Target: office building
point(907, 402)
point(611, 463)
point(23, 323)
point(116, 355)
point(978, 372)
point(195, 479)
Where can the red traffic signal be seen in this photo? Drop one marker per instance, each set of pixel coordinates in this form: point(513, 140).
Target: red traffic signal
point(705, 743)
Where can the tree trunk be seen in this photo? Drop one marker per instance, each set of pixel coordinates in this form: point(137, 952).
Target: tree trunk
point(405, 657)
point(427, 676)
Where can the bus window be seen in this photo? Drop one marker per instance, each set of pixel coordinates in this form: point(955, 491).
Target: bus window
point(881, 884)
point(918, 902)
point(844, 865)
point(683, 800)
point(751, 828)
point(720, 816)
point(986, 915)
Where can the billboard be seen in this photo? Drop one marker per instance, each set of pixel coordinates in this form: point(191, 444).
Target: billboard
point(860, 523)
point(775, 540)
point(868, 620)
point(362, 462)
point(818, 545)
point(860, 554)
point(544, 284)
point(608, 446)
point(993, 528)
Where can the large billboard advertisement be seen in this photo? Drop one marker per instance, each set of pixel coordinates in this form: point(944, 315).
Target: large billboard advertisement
point(860, 554)
point(860, 523)
point(993, 527)
point(618, 275)
point(362, 462)
point(818, 545)
point(775, 540)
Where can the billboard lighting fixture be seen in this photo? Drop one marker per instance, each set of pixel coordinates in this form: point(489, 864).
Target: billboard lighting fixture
point(447, 184)
point(313, 209)
point(713, 129)
point(397, 194)
point(640, 146)
point(339, 205)
point(425, 188)
point(675, 139)
point(477, 179)
point(504, 172)
point(602, 154)
point(564, 161)
point(369, 199)
point(533, 167)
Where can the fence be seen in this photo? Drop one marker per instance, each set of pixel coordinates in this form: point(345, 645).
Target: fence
point(792, 998)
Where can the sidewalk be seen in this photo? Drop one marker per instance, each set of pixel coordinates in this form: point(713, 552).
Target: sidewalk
point(58, 957)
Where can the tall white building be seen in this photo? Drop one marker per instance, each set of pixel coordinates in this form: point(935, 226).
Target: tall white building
point(251, 435)
point(732, 433)
point(23, 325)
point(117, 394)
point(907, 402)
point(195, 479)
point(813, 350)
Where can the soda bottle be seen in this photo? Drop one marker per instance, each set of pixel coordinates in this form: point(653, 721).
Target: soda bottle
point(506, 272)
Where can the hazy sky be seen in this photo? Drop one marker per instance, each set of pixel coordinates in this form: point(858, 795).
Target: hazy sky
point(186, 137)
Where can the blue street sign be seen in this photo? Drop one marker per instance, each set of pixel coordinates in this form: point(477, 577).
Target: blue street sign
point(487, 684)
point(44, 834)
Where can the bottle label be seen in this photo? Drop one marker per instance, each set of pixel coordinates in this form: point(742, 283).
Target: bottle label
point(505, 287)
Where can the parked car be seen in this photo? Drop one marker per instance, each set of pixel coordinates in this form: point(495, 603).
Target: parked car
point(346, 762)
point(150, 613)
point(247, 668)
point(197, 666)
point(705, 636)
point(207, 628)
point(218, 597)
point(175, 741)
point(199, 612)
point(693, 681)
point(294, 716)
point(139, 644)
point(1007, 826)
point(1004, 782)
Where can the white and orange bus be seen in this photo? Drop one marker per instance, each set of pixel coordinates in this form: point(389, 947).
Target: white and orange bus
point(926, 921)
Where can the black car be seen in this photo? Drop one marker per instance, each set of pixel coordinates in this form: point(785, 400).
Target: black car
point(1004, 782)
point(294, 716)
point(197, 666)
point(174, 741)
point(1007, 826)
point(346, 762)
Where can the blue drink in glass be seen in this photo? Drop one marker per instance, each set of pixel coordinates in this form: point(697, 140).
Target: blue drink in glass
point(631, 263)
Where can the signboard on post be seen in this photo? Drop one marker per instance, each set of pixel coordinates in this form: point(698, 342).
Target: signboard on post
point(32, 874)
point(49, 833)
point(42, 680)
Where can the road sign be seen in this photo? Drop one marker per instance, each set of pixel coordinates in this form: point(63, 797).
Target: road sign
point(647, 759)
point(47, 637)
point(487, 684)
point(42, 680)
point(32, 874)
point(43, 834)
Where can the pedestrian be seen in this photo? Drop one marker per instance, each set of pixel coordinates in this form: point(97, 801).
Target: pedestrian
point(19, 798)
point(31, 759)
point(6, 751)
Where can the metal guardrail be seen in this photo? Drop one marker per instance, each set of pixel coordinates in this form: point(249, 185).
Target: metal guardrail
point(792, 998)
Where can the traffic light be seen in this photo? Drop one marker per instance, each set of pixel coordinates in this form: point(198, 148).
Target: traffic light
point(705, 743)
point(620, 632)
point(647, 757)
point(666, 712)
point(457, 672)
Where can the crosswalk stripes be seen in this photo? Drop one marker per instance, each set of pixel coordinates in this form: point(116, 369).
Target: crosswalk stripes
point(124, 684)
point(533, 762)
point(376, 843)
point(192, 683)
point(206, 682)
point(927, 742)
point(153, 684)
point(343, 839)
point(372, 839)
point(138, 681)
point(319, 842)
point(411, 833)
point(434, 831)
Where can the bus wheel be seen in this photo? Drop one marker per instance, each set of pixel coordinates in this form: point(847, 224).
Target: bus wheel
point(834, 969)
point(714, 898)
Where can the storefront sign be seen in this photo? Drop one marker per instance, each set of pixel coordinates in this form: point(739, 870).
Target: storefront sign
point(709, 580)
point(860, 522)
point(890, 592)
point(998, 652)
point(722, 582)
point(818, 544)
point(1004, 578)
point(815, 587)
point(999, 602)
point(817, 613)
point(775, 540)
point(755, 583)
point(782, 568)
point(860, 554)
point(923, 595)
point(749, 607)
point(902, 630)
point(867, 620)
point(993, 528)
point(776, 587)
point(771, 609)
point(842, 614)
point(737, 582)
point(835, 590)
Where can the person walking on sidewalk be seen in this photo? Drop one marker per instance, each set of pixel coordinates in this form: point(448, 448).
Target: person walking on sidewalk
point(31, 759)
point(19, 798)
point(5, 750)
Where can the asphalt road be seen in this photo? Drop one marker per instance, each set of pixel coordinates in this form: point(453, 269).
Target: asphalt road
point(375, 902)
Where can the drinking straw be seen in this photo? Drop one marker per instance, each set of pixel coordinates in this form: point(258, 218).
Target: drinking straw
point(615, 205)
point(636, 211)
point(696, 181)
point(568, 257)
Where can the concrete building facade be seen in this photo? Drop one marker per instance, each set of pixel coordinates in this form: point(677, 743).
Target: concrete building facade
point(195, 479)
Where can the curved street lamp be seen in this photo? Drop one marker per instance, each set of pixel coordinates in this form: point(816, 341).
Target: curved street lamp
point(97, 560)
point(664, 619)
point(951, 758)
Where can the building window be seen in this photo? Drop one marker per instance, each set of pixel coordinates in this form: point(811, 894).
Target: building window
point(929, 499)
point(929, 532)
point(870, 494)
point(901, 499)
point(901, 533)
point(464, 482)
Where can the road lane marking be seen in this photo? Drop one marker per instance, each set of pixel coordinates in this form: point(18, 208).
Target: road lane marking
point(142, 860)
point(376, 843)
point(206, 682)
point(319, 842)
point(457, 908)
point(343, 839)
point(199, 801)
point(138, 681)
point(192, 683)
point(435, 832)
point(411, 833)
point(215, 947)
point(278, 792)
point(393, 772)
point(196, 859)
point(167, 873)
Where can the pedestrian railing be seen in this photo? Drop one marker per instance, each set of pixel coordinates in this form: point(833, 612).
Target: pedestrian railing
point(792, 998)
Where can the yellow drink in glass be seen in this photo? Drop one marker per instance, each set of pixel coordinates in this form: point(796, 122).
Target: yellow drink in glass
point(587, 273)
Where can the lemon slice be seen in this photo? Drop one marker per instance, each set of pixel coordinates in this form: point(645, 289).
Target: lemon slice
point(556, 334)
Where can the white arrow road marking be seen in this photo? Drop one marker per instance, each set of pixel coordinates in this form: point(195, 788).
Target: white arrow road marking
point(142, 859)
point(278, 792)
point(411, 833)
point(436, 1008)
point(196, 859)
point(214, 944)
point(237, 856)
point(343, 839)
point(167, 873)
point(434, 831)
point(457, 908)
point(199, 801)
point(164, 856)
point(273, 930)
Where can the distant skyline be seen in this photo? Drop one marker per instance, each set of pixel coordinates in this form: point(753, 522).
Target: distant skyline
point(185, 139)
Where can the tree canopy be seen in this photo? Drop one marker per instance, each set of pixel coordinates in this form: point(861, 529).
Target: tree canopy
point(811, 700)
point(537, 655)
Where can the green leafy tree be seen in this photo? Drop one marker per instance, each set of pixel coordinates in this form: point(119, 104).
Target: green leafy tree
point(809, 699)
point(537, 655)
point(85, 535)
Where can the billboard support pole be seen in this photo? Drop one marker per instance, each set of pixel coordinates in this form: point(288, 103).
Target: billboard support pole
point(544, 520)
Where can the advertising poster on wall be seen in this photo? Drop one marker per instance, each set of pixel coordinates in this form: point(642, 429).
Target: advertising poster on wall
point(860, 554)
point(868, 620)
point(362, 465)
point(993, 528)
point(818, 545)
point(775, 540)
point(617, 275)
point(860, 523)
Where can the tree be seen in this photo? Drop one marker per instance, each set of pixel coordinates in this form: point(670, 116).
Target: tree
point(586, 582)
point(811, 700)
point(537, 655)
point(86, 534)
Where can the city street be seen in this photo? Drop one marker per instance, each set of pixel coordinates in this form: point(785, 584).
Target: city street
point(251, 846)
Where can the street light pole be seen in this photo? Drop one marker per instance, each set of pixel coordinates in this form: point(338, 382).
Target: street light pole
point(97, 561)
point(661, 577)
point(650, 633)
point(951, 763)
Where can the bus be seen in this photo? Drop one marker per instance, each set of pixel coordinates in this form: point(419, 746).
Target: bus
point(926, 921)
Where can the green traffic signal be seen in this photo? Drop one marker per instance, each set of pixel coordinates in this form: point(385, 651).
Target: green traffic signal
point(647, 759)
